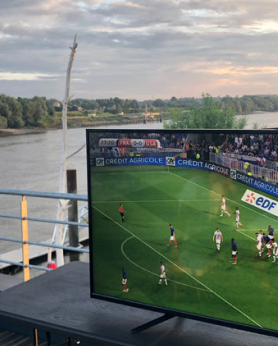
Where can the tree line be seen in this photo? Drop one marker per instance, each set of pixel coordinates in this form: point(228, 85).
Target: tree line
point(109, 105)
point(23, 112)
point(184, 112)
point(241, 105)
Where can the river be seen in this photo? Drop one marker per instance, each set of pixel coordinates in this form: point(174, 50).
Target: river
point(262, 119)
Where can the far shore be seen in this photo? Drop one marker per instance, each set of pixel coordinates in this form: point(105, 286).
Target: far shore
point(14, 132)
point(261, 119)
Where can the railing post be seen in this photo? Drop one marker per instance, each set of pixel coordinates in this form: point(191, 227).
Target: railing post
point(25, 247)
point(35, 337)
point(48, 338)
point(72, 213)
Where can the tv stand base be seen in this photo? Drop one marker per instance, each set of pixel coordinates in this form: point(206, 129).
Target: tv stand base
point(152, 323)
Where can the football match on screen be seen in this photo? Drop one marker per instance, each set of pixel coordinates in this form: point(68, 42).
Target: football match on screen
point(187, 221)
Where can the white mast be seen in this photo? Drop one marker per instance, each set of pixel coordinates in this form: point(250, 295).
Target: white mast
point(62, 204)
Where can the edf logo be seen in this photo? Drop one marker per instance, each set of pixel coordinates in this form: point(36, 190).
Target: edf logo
point(261, 202)
point(265, 203)
point(251, 198)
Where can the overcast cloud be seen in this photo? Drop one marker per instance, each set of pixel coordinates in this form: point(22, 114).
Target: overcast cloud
point(143, 49)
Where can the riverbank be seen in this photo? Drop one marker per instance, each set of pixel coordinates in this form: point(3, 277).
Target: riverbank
point(14, 132)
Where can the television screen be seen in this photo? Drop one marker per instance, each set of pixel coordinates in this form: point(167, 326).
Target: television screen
point(184, 222)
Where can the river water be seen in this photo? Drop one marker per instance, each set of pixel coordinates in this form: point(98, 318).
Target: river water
point(262, 119)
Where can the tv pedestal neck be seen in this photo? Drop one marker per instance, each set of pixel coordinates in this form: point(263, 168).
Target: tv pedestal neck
point(152, 323)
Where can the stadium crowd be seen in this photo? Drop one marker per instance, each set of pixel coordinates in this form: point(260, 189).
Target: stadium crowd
point(255, 145)
point(259, 146)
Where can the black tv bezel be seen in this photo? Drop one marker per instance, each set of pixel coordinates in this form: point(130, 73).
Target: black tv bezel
point(170, 312)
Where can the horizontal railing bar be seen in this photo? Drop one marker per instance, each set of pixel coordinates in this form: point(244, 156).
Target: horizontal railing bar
point(54, 246)
point(56, 221)
point(11, 216)
point(83, 224)
point(19, 264)
point(13, 240)
point(70, 196)
point(31, 266)
point(12, 262)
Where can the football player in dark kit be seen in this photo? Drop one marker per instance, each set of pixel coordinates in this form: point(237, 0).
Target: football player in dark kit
point(234, 251)
point(124, 280)
point(122, 212)
point(172, 237)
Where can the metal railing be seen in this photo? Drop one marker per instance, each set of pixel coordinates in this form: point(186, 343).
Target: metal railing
point(82, 216)
point(24, 226)
point(262, 172)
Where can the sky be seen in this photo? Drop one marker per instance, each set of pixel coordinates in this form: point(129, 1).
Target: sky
point(142, 49)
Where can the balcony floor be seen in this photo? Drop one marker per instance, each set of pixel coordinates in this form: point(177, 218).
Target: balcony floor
point(59, 302)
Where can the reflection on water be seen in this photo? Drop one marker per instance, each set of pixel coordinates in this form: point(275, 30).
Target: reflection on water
point(262, 119)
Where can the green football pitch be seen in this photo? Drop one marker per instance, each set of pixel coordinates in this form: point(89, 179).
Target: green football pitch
point(201, 280)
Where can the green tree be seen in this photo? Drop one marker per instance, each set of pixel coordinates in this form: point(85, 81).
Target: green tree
point(3, 122)
point(50, 107)
point(28, 113)
point(13, 111)
point(4, 109)
point(158, 103)
point(247, 104)
point(40, 111)
point(134, 105)
point(207, 115)
point(15, 122)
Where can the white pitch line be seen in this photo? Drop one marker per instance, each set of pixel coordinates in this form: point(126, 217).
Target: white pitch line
point(121, 173)
point(148, 271)
point(160, 201)
point(252, 229)
point(246, 235)
point(242, 205)
point(183, 270)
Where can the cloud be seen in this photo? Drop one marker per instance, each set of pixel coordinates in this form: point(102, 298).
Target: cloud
point(9, 76)
point(139, 47)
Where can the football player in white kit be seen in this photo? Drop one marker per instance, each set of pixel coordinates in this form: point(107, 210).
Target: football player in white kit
point(238, 223)
point(223, 207)
point(269, 244)
point(218, 237)
point(259, 245)
point(275, 250)
point(162, 274)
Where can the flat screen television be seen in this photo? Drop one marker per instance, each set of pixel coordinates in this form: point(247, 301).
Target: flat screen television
point(184, 222)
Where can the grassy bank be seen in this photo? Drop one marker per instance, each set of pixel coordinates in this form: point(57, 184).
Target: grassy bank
point(13, 132)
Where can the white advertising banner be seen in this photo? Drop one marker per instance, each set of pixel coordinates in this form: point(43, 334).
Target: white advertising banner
point(262, 202)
